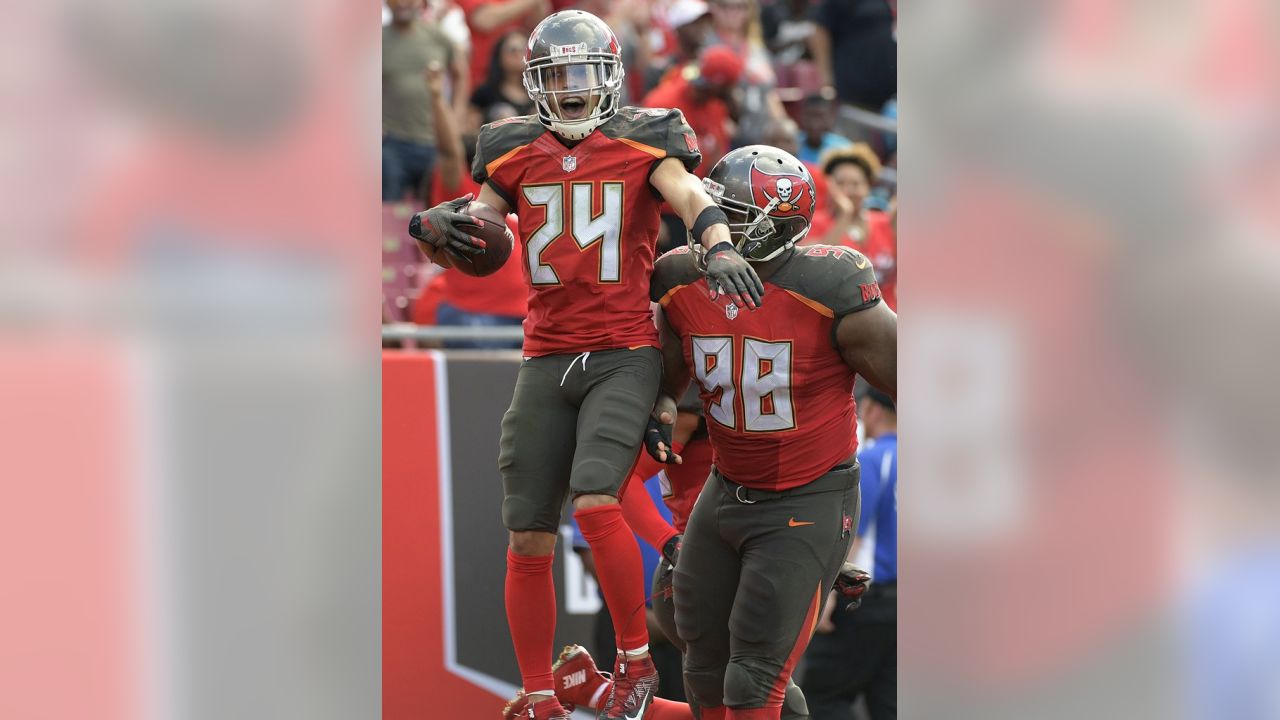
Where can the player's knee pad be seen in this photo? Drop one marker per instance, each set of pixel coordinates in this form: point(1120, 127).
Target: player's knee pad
point(521, 514)
point(704, 686)
point(794, 706)
point(747, 682)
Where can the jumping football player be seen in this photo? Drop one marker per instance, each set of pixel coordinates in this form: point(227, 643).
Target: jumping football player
point(770, 531)
point(586, 178)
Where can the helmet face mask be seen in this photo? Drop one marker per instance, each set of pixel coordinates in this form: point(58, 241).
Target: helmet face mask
point(573, 73)
point(767, 196)
point(749, 226)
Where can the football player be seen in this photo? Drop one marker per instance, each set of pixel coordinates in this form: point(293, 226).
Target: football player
point(770, 531)
point(586, 179)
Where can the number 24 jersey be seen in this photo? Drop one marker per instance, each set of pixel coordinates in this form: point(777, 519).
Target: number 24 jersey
point(589, 222)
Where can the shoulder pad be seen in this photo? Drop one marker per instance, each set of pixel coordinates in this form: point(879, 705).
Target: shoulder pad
point(663, 131)
point(497, 139)
point(838, 278)
point(672, 271)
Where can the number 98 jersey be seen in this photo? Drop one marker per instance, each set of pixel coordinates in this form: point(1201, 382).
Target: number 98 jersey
point(777, 395)
point(589, 221)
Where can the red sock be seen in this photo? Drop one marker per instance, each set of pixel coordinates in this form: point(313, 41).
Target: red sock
point(620, 570)
point(642, 515)
point(531, 614)
point(670, 710)
point(773, 713)
point(715, 713)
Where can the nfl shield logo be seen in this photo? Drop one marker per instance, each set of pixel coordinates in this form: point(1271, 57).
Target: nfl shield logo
point(731, 311)
point(570, 164)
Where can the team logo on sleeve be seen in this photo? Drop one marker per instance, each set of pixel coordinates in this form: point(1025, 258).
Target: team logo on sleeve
point(781, 194)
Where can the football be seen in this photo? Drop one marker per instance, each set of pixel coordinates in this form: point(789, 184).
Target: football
point(492, 228)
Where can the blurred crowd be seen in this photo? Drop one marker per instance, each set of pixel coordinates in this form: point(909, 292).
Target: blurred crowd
point(817, 78)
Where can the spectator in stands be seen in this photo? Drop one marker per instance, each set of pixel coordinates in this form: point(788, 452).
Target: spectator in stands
point(736, 25)
point(818, 119)
point(490, 20)
point(787, 26)
point(850, 173)
point(409, 46)
point(856, 654)
point(687, 25)
point(501, 299)
point(784, 134)
point(856, 51)
point(631, 22)
point(705, 94)
point(502, 95)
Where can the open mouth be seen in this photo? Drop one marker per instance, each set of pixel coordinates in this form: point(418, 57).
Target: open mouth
point(573, 107)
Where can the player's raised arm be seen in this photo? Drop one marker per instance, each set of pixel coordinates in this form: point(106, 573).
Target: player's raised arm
point(868, 342)
point(727, 271)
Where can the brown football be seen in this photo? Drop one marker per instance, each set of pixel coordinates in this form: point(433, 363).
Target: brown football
point(492, 228)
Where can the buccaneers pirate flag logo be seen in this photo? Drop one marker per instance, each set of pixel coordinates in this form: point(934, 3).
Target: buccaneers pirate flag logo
point(782, 194)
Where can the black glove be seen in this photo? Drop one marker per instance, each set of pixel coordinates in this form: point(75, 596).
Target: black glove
point(671, 551)
point(730, 273)
point(852, 583)
point(438, 227)
point(654, 433)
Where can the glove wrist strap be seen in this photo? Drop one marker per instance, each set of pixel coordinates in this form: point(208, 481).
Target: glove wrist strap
point(718, 247)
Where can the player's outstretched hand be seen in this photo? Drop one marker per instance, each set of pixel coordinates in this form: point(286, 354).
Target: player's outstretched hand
point(852, 583)
point(657, 438)
point(729, 273)
point(438, 226)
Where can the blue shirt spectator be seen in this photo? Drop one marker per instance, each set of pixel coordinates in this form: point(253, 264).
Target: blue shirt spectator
point(816, 137)
point(878, 523)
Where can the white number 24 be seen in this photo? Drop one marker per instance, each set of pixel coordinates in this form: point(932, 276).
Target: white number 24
point(586, 229)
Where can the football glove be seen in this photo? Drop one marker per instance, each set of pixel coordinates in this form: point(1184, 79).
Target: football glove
point(657, 439)
point(852, 583)
point(671, 551)
point(438, 227)
point(658, 433)
point(730, 273)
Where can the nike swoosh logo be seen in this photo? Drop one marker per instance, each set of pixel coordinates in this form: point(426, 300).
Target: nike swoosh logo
point(639, 711)
point(794, 523)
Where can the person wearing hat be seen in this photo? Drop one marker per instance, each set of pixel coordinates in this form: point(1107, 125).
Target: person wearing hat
point(856, 655)
point(688, 22)
point(704, 93)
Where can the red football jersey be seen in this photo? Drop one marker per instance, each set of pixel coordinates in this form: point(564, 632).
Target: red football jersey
point(681, 484)
point(777, 395)
point(589, 223)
